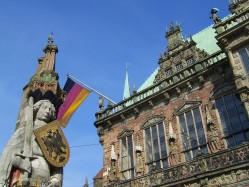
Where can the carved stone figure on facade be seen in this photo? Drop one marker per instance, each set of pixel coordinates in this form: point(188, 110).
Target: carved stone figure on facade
point(113, 171)
point(22, 160)
point(214, 15)
point(201, 165)
point(213, 140)
point(172, 153)
point(139, 164)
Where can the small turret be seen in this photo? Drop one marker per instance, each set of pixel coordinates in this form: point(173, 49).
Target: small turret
point(174, 36)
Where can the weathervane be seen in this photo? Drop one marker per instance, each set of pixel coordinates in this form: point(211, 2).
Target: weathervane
point(51, 38)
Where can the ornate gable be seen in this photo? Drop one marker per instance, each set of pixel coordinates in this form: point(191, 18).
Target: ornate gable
point(152, 121)
point(187, 105)
point(181, 54)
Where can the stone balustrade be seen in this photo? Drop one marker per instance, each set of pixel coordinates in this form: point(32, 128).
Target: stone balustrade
point(167, 83)
point(208, 169)
point(232, 21)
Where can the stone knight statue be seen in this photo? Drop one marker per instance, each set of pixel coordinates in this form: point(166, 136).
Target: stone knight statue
point(24, 162)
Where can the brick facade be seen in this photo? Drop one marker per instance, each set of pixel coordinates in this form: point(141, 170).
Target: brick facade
point(193, 86)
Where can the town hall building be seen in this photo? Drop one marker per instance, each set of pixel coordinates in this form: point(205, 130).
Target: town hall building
point(188, 124)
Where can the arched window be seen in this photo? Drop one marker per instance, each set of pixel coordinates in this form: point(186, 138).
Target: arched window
point(127, 156)
point(155, 143)
point(234, 120)
point(191, 129)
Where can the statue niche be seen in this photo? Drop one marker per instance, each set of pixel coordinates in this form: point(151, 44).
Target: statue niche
point(22, 162)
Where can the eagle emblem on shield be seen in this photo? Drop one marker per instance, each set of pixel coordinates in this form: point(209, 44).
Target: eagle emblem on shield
point(53, 144)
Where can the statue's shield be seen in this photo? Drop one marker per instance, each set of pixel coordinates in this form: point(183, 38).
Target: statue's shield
point(53, 144)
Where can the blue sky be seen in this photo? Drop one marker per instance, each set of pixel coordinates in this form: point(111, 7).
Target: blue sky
point(96, 38)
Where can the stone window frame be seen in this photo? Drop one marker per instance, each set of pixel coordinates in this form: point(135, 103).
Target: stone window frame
point(186, 107)
point(241, 58)
point(179, 67)
point(221, 93)
point(190, 61)
point(150, 123)
point(130, 170)
point(168, 72)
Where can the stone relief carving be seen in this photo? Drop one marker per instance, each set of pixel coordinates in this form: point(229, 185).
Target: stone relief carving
point(112, 177)
point(172, 153)
point(213, 140)
point(139, 168)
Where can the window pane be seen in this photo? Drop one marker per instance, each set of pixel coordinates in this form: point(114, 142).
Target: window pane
point(124, 154)
point(187, 155)
point(223, 116)
point(230, 142)
point(165, 163)
point(158, 164)
point(233, 119)
point(191, 129)
point(195, 152)
point(192, 132)
point(228, 98)
point(155, 143)
point(162, 141)
point(235, 123)
point(239, 138)
point(184, 132)
point(148, 145)
point(199, 127)
point(130, 151)
point(219, 103)
point(204, 150)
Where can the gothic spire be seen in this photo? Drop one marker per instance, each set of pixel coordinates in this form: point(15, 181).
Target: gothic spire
point(47, 63)
point(127, 92)
point(86, 183)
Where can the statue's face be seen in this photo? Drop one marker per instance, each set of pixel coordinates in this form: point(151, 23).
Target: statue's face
point(45, 112)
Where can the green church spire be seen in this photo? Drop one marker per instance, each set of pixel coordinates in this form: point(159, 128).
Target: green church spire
point(127, 92)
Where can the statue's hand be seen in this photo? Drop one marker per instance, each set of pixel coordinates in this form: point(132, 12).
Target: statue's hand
point(54, 184)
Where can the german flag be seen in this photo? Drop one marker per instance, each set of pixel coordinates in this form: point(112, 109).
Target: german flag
point(76, 94)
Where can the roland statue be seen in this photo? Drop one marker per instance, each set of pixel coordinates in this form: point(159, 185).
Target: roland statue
point(22, 163)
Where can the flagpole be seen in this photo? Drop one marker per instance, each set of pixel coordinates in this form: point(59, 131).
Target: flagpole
point(91, 89)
